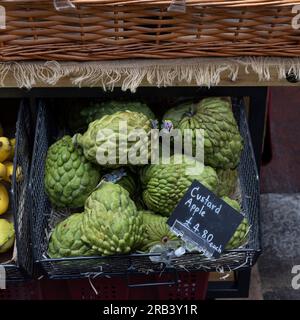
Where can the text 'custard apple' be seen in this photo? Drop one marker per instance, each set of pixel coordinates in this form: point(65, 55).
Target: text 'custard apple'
point(106, 143)
point(240, 236)
point(157, 231)
point(165, 184)
point(222, 140)
point(111, 222)
point(66, 239)
point(69, 177)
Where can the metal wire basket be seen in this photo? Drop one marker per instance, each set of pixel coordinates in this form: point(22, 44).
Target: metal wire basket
point(78, 267)
point(22, 267)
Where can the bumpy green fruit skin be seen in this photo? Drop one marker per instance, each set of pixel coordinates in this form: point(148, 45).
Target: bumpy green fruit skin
point(222, 140)
point(176, 114)
point(98, 110)
point(93, 147)
point(157, 230)
point(111, 223)
point(165, 184)
point(69, 177)
point(66, 240)
point(240, 236)
point(227, 182)
point(7, 235)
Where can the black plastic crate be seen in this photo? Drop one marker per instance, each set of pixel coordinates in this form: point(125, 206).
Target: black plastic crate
point(22, 268)
point(48, 130)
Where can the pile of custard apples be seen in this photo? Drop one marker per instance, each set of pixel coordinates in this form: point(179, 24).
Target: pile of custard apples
point(119, 209)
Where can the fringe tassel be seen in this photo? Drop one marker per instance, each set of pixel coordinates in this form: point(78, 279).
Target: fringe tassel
point(129, 75)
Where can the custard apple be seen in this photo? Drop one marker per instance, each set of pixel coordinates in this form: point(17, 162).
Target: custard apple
point(176, 114)
point(100, 142)
point(111, 222)
point(240, 236)
point(69, 177)
point(98, 110)
point(157, 230)
point(66, 240)
point(222, 140)
point(165, 184)
point(227, 182)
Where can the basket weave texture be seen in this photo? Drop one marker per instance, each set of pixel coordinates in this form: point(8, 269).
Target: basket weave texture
point(108, 30)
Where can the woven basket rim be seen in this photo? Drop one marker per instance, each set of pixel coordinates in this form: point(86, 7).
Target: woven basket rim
point(211, 3)
point(134, 29)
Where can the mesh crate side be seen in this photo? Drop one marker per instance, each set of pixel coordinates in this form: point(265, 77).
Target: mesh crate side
point(22, 268)
point(39, 204)
point(21, 206)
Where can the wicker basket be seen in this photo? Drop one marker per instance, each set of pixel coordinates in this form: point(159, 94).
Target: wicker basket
point(120, 29)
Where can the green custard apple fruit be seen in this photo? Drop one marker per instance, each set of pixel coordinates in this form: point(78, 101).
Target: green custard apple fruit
point(111, 223)
point(105, 138)
point(227, 182)
point(165, 184)
point(69, 177)
point(66, 239)
point(177, 113)
point(157, 231)
point(97, 110)
point(240, 236)
point(222, 141)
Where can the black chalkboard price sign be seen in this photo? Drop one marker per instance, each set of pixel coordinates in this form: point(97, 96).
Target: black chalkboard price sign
point(204, 220)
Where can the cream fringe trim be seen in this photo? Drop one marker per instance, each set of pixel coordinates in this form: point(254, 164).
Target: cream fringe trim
point(130, 74)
